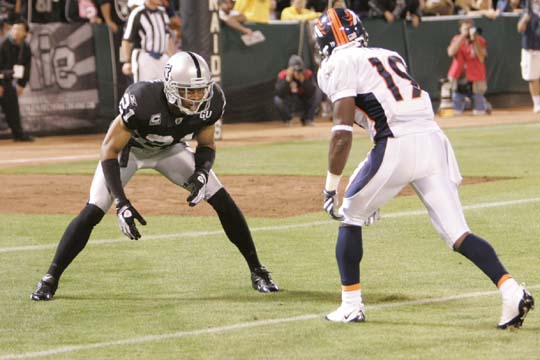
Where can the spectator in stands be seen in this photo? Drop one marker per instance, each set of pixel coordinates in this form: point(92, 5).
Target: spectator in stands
point(476, 7)
point(438, 7)
point(390, 10)
point(273, 10)
point(280, 5)
point(15, 63)
point(254, 10)
point(297, 91)
point(232, 18)
point(298, 11)
point(507, 6)
point(469, 51)
point(529, 26)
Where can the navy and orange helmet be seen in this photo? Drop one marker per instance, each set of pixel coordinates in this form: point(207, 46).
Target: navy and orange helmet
point(336, 27)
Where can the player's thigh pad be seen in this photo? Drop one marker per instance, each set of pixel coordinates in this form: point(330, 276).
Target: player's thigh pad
point(99, 193)
point(177, 164)
point(377, 180)
point(530, 64)
point(437, 187)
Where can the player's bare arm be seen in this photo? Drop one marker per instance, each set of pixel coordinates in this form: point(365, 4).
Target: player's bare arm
point(115, 140)
point(341, 140)
point(206, 137)
point(338, 153)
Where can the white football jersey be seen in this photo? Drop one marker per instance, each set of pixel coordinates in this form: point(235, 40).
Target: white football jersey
point(388, 100)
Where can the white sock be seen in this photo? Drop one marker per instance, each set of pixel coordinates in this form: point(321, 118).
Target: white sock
point(536, 100)
point(353, 297)
point(509, 288)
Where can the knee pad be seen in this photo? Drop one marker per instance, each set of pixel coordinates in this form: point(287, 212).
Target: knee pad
point(91, 215)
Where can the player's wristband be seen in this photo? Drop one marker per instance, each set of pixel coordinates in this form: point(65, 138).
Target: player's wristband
point(342, 128)
point(332, 181)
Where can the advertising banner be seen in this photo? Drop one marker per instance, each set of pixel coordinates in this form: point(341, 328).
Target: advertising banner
point(62, 94)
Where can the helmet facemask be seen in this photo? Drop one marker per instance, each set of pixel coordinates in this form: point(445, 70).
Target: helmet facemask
point(190, 99)
point(188, 83)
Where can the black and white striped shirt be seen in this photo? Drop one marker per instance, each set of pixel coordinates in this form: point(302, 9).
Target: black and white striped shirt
point(148, 30)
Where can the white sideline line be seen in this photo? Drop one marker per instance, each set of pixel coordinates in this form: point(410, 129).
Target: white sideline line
point(240, 326)
point(47, 159)
point(263, 228)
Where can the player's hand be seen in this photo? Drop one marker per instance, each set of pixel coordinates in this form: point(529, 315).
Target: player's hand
point(126, 219)
point(330, 204)
point(196, 185)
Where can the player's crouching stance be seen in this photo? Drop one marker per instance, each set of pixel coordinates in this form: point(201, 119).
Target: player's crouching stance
point(155, 120)
point(410, 148)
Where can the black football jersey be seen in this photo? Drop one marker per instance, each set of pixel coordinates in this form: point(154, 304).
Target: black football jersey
point(145, 111)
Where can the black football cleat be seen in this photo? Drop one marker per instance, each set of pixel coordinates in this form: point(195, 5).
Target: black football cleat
point(45, 288)
point(262, 281)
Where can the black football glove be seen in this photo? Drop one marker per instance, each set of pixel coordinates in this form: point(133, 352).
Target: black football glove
point(196, 185)
point(126, 219)
point(330, 203)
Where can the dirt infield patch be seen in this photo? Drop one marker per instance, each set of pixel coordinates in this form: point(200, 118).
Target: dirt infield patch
point(257, 196)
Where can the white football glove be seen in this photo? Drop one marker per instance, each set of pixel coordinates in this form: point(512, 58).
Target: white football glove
point(373, 218)
point(126, 219)
point(196, 185)
point(330, 204)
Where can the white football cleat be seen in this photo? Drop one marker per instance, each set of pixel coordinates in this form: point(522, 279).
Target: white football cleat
point(347, 313)
point(515, 309)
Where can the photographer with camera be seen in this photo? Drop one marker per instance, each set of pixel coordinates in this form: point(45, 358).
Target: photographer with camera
point(469, 51)
point(529, 27)
point(15, 58)
point(297, 91)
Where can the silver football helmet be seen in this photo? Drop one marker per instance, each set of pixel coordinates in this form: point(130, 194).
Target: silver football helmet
point(188, 83)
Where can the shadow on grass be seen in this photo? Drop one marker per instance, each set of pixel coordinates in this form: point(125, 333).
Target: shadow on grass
point(283, 296)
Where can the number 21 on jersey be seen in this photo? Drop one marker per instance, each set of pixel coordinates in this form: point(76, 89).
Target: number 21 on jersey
point(394, 63)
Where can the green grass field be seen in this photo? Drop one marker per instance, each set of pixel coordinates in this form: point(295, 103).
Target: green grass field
point(183, 291)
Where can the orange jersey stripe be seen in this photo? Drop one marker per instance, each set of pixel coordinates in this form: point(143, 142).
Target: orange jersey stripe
point(352, 287)
point(503, 279)
point(337, 29)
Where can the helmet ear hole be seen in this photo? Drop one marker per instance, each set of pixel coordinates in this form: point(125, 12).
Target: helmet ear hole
point(184, 74)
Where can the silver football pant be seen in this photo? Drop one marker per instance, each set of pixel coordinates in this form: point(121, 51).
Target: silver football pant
point(176, 163)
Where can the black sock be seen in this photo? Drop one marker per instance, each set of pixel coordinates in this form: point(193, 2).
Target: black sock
point(349, 251)
point(482, 254)
point(235, 226)
point(74, 239)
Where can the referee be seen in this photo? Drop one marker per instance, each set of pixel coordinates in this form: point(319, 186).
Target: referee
point(147, 43)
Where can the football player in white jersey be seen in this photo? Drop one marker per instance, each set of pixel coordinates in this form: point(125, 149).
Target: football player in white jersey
point(371, 87)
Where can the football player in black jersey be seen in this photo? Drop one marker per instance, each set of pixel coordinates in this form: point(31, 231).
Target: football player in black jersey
point(155, 120)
